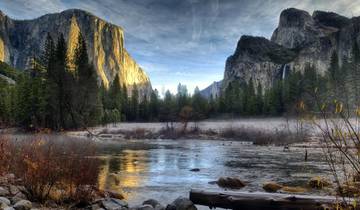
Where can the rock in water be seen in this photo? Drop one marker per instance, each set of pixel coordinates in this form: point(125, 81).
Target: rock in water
point(230, 182)
point(271, 187)
point(181, 203)
point(20, 39)
point(295, 190)
point(114, 204)
point(152, 202)
point(319, 182)
point(145, 207)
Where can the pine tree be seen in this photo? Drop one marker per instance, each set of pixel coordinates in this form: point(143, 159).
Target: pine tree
point(199, 106)
point(48, 61)
point(168, 109)
point(259, 99)
point(59, 75)
point(154, 105)
point(334, 75)
point(354, 73)
point(251, 98)
point(125, 103)
point(144, 114)
point(115, 94)
point(88, 105)
point(134, 111)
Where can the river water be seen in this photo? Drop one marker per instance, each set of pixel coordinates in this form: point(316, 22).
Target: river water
point(160, 169)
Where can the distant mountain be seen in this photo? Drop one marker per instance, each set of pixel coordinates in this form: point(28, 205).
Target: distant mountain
point(212, 91)
point(21, 39)
point(299, 40)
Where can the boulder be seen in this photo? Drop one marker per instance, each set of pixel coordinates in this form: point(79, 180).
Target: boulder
point(4, 200)
point(159, 207)
point(170, 207)
point(145, 207)
point(23, 205)
point(9, 208)
point(4, 191)
point(3, 205)
point(96, 207)
point(151, 202)
point(14, 189)
point(18, 197)
point(114, 204)
point(230, 182)
point(181, 203)
point(271, 186)
point(319, 182)
point(287, 189)
point(114, 194)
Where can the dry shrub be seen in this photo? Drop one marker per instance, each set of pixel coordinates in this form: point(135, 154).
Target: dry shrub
point(171, 133)
point(259, 137)
point(137, 133)
point(5, 154)
point(55, 169)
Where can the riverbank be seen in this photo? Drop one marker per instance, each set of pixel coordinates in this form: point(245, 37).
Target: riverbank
point(259, 131)
point(15, 196)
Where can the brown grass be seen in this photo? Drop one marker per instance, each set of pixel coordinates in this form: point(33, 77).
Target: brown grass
point(49, 169)
point(259, 137)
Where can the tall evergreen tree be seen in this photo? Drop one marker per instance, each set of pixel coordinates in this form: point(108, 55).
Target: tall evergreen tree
point(88, 105)
point(154, 105)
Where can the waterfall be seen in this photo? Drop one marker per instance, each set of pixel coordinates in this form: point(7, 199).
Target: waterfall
point(284, 72)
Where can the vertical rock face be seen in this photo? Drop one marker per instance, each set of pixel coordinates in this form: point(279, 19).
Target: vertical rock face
point(257, 58)
point(300, 39)
point(212, 91)
point(22, 39)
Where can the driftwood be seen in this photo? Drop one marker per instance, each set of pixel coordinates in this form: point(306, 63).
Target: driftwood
point(260, 200)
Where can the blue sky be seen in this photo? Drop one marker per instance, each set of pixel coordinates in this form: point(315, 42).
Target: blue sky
point(184, 41)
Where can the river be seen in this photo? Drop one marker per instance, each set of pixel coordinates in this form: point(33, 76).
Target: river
point(160, 169)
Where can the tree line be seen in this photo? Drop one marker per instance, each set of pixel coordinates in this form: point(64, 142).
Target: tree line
point(59, 92)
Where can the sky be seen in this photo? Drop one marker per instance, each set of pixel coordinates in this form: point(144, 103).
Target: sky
point(182, 41)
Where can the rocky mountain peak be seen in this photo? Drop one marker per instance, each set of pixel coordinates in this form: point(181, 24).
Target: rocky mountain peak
point(262, 49)
point(296, 29)
point(331, 19)
point(294, 18)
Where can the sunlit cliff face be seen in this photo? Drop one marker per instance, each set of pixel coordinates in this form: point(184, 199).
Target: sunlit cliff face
point(74, 33)
point(105, 45)
point(2, 50)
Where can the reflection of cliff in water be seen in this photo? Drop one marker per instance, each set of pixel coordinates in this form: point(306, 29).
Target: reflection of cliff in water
point(123, 171)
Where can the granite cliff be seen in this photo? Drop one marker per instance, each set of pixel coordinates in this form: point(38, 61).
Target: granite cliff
point(21, 39)
point(300, 39)
point(212, 90)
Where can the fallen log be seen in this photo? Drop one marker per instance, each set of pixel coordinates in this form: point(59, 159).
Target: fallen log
point(260, 200)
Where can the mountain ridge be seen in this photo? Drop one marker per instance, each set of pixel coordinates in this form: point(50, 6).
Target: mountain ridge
point(301, 38)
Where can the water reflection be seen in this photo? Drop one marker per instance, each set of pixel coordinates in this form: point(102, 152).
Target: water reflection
point(124, 171)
